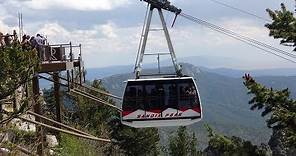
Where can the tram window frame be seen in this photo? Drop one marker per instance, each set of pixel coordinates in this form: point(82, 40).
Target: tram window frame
point(150, 96)
point(173, 99)
point(165, 98)
point(132, 103)
point(187, 101)
point(145, 100)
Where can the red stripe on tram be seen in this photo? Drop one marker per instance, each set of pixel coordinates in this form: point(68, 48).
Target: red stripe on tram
point(125, 113)
point(183, 109)
point(155, 111)
point(197, 109)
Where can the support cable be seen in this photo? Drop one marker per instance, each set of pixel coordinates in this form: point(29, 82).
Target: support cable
point(87, 95)
point(240, 10)
point(58, 123)
point(238, 35)
point(49, 79)
point(101, 92)
point(65, 131)
point(22, 149)
point(90, 88)
point(244, 39)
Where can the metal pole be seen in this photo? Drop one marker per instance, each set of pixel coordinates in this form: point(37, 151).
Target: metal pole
point(142, 51)
point(37, 110)
point(80, 62)
point(82, 76)
point(83, 70)
point(142, 35)
point(19, 22)
point(170, 45)
point(158, 63)
point(80, 72)
point(71, 60)
point(80, 50)
point(22, 25)
point(68, 80)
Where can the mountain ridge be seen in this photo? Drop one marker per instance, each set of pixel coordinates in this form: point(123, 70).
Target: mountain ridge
point(224, 100)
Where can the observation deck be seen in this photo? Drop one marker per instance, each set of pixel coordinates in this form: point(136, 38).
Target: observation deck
point(60, 57)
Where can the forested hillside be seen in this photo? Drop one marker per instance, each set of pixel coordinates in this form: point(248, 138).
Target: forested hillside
point(225, 102)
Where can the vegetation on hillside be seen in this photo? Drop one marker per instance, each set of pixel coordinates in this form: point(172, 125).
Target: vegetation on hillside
point(18, 66)
point(100, 120)
point(283, 26)
point(182, 143)
point(17, 69)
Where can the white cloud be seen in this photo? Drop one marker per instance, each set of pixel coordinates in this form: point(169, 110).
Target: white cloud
point(108, 30)
point(84, 5)
point(109, 44)
point(100, 43)
point(4, 28)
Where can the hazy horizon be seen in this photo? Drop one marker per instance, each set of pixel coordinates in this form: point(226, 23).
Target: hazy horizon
point(109, 30)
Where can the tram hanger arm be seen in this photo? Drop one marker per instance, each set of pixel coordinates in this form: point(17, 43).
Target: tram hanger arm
point(164, 4)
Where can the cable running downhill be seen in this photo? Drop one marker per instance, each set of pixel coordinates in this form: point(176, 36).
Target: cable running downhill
point(260, 45)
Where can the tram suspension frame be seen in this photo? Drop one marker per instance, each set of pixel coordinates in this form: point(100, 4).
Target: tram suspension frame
point(143, 43)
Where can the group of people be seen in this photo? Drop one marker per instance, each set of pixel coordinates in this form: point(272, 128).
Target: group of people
point(35, 42)
point(8, 39)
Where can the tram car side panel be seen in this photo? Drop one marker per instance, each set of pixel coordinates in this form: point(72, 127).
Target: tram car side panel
point(155, 102)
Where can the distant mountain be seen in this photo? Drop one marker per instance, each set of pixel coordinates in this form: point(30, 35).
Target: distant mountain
point(259, 72)
point(98, 73)
point(219, 65)
point(211, 61)
point(203, 61)
point(225, 102)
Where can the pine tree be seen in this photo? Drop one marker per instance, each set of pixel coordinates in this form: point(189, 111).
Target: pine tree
point(277, 103)
point(104, 121)
point(283, 26)
point(280, 111)
point(183, 144)
point(220, 145)
point(136, 142)
point(193, 146)
point(17, 66)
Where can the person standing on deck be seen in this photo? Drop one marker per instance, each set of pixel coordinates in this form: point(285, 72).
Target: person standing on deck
point(40, 46)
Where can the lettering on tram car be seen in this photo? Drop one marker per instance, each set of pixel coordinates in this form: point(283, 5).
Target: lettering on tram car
point(158, 115)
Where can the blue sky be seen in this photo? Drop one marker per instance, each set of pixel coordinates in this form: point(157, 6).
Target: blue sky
point(109, 30)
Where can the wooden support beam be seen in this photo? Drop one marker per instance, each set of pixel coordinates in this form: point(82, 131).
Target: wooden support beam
point(57, 98)
point(80, 74)
point(37, 110)
point(56, 66)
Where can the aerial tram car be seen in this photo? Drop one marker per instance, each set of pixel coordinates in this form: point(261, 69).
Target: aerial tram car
point(164, 100)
